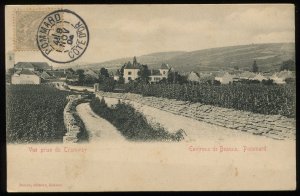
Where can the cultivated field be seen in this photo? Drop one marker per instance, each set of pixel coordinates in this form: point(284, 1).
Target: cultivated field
point(256, 98)
point(34, 113)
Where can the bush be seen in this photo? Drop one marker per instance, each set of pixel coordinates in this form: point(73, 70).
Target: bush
point(132, 124)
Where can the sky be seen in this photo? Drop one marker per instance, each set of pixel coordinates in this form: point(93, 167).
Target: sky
point(118, 31)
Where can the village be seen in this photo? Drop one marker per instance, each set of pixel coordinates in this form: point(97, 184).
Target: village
point(42, 72)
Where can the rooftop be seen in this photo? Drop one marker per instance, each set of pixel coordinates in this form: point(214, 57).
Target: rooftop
point(164, 66)
point(32, 65)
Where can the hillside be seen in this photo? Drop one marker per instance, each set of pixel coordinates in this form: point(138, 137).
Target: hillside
point(152, 60)
point(268, 57)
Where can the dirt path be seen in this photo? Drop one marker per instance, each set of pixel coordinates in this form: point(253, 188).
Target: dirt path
point(195, 130)
point(98, 128)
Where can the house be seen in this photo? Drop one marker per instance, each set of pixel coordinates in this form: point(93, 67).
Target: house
point(164, 70)
point(44, 75)
point(259, 77)
point(91, 74)
point(24, 65)
point(160, 74)
point(25, 76)
point(32, 66)
point(131, 70)
point(193, 77)
point(286, 74)
point(247, 75)
point(58, 74)
point(155, 76)
point(72, 77)
point(224, 77)
point(206, 77)
point(280, 77)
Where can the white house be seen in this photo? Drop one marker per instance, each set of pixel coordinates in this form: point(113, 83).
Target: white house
point(164, 70)
point(224, 78)
point(247, 75)
point(205, 77)
point(25, 77)
point(158, 75)
point(259, 77)
point(279, 78)
point(131, 71)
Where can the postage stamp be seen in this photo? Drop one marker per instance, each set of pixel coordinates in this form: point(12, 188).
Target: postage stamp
point(26, 22)
point(62, 36)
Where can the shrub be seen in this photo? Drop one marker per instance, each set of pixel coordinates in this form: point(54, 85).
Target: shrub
point(132, 124)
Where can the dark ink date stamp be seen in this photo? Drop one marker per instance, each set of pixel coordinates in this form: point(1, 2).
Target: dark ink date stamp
point(62, 36)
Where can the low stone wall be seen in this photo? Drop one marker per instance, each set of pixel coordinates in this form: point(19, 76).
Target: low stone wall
point(273, 126)
point(72, 122)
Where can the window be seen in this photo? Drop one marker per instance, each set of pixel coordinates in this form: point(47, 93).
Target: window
point(129, 73)
point(164, 72)
point(129, 78)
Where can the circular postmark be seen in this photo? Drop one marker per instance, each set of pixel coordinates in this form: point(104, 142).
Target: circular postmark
point(62, 36)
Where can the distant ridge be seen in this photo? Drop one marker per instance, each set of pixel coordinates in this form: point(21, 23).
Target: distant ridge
point(268, 57)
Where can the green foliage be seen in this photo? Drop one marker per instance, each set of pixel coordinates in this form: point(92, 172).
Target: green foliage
point(88, 80)
point(121, 80)
point(81, 75)
point(132, 124)
point(107, 85)
point(144, 73)
point(35, 113)
point(70, 70)
point(175, 78)
point(104, 72)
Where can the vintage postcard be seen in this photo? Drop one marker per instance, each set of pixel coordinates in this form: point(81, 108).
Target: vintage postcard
point(150, 97)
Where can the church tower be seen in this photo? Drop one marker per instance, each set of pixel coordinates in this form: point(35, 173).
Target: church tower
point(10, 60)
point(134, 62)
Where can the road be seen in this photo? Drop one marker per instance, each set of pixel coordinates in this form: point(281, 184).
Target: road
point(98, 128)
point(195, 130)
